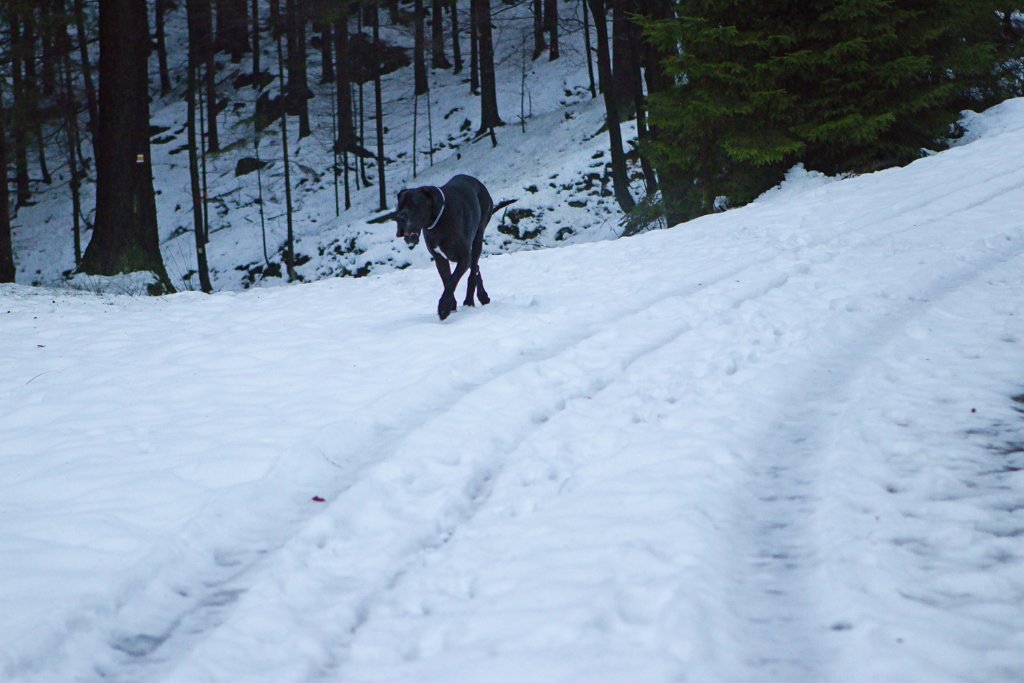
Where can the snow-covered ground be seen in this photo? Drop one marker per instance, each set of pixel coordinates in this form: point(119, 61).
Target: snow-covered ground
point(776, 444)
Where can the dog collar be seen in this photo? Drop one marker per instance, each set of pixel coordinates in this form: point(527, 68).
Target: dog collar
point(441, 212)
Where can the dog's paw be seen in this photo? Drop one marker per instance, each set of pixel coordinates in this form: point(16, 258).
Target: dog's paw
point(484, 299)
point(445, 307)
point(468, 302)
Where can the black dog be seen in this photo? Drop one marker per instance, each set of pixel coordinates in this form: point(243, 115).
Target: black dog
point(452, 219)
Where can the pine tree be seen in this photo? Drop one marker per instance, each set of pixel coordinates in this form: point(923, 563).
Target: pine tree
point(159, 9)
point(7, 270)
point(382, 192)
point(539, 44)
point(438, 60)
point(191, 88)
point(453, 9)
point(297, 93)
point(843, 85)
point(82, 36)
point(620, 177)
point(125, 237)
point(551, 26)
point(489, 118)
point(886, 79)
point(716, 132)
point(419, 47)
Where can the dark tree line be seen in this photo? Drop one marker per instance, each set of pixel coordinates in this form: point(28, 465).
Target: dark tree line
point(841, 85)
point(724, 99)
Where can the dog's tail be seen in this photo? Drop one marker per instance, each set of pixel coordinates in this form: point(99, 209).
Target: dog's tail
point(501, 205)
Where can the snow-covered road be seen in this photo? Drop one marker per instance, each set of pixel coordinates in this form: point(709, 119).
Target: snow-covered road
point(777, 444)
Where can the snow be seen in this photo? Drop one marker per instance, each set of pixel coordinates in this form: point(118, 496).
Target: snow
point(777, 444)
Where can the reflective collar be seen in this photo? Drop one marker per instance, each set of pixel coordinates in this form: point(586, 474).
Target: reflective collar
point(441, 212)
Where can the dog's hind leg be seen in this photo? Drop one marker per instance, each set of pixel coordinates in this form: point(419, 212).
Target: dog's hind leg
point(474, 271)
point(475, 279)
point(481, 293)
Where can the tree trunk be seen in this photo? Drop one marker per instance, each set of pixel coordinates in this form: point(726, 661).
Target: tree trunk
point(204, 44)
point(49, 13)
point(652, 60)
point(326, 58)
point(289, 252)
point(298, 83)
point(343, 84)
point(361, 116)
point(637, 44)
point(640, 103)
point(255, 41)
point(418, 57)
point(83, 52)
point(624, 71)
point(456, 48)
point(232, 30)
point(198, 221)
point(161, 47)
point(32, 90)
point(7, 270)
point(72, 134)
point(620, 179)
point(19, 111)
point(489, 118)
point(539, 45)
point(588, 50)
point(551, 26)
point(379, 115)
point(125, 237)
point(474, 50)
point(438, 60)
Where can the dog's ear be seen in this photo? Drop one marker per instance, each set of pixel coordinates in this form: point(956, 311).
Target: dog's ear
point(428, 194)
point(400, 193)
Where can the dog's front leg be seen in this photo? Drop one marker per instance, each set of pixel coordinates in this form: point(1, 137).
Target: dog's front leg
point(447, 303)
point(444, 271)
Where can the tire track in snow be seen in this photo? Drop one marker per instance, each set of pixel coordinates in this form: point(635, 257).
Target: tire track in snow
point(356, 526)
point(479, 481)
point(205, 596)
point(784, 635)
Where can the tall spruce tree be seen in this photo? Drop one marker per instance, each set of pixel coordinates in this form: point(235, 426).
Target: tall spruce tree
point(843, 85)
point(886, 79)
point(125, 237)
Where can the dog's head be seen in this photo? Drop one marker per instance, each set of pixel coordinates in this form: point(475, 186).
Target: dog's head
point(414, 213)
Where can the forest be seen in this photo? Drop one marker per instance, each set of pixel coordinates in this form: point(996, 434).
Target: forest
point(704, 105)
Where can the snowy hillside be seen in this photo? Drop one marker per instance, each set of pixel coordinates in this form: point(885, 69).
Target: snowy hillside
point(783, 443)
point(556, 169)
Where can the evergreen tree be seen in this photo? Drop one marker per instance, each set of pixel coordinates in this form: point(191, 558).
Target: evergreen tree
point(7, 269)
point(438, 60)
point(884, 80)
point(419, 48)
point(489, 118)
point(620, 176)
point(843, 85)
point(199, 221)
point(125, 237)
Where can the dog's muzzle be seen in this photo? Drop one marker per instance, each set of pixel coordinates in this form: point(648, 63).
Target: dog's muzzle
point(411, 238)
